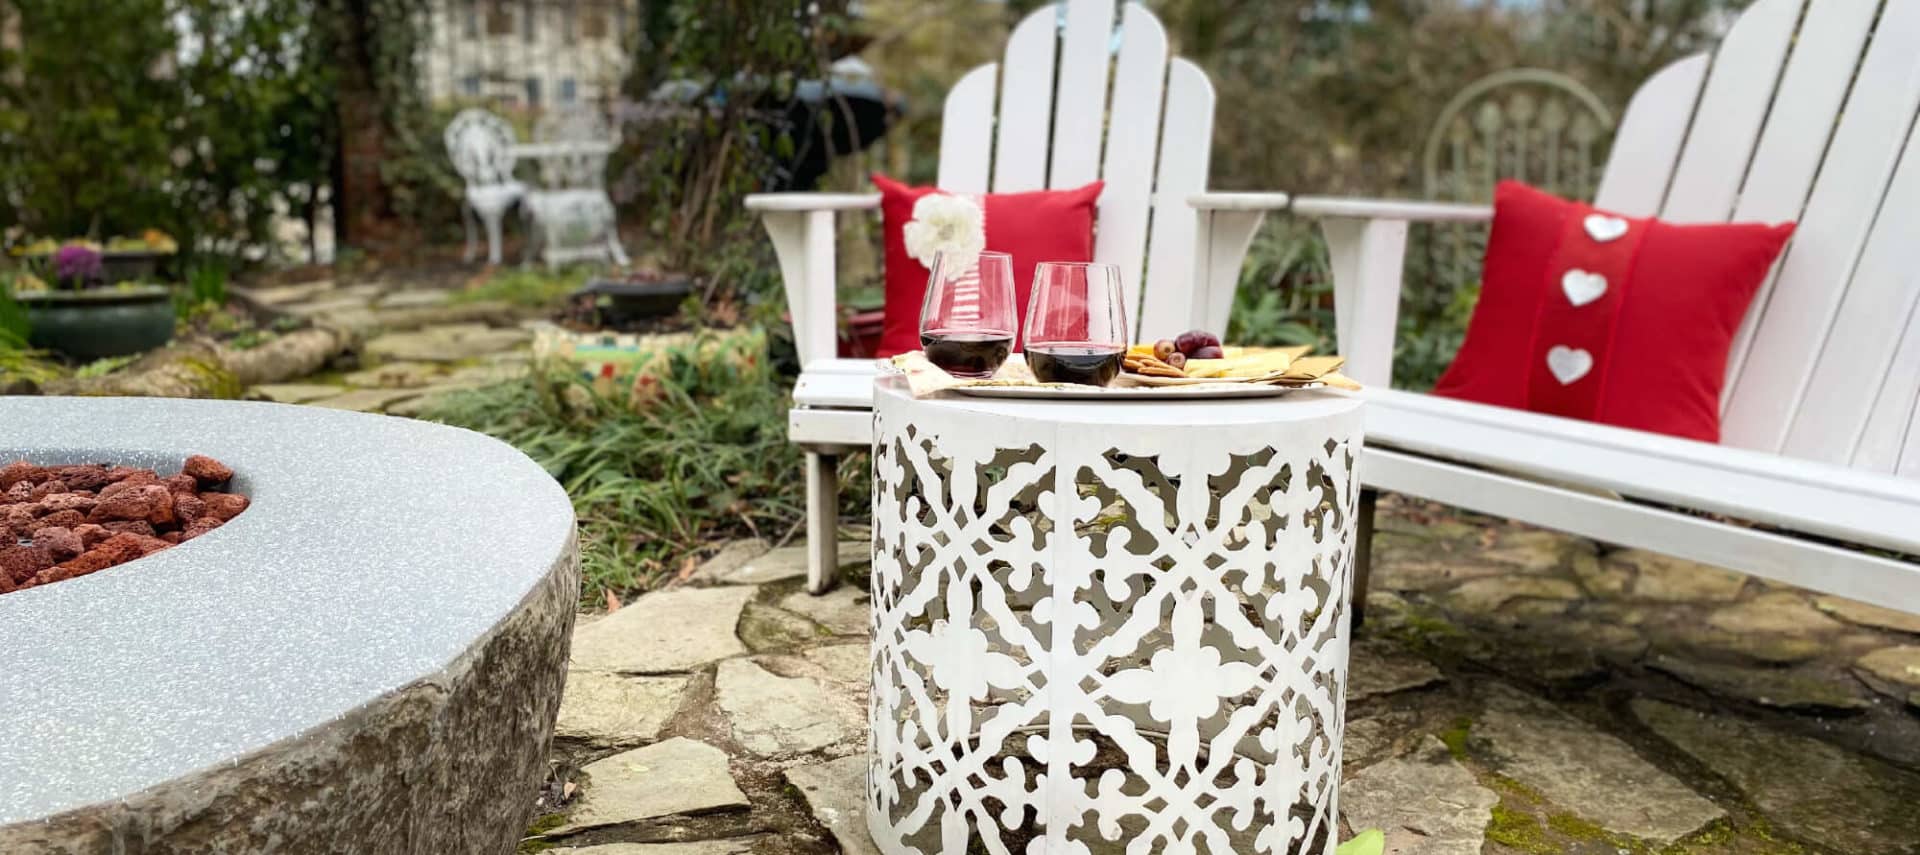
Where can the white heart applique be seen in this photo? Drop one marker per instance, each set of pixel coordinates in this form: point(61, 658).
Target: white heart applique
point(1603, 228)
point(1583, 287)
point(1568, 364)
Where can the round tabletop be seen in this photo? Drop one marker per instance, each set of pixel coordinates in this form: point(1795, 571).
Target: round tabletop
point(1306, 405)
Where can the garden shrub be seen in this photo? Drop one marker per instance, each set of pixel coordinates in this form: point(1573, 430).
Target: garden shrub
point(113, 119)
point(660, 470)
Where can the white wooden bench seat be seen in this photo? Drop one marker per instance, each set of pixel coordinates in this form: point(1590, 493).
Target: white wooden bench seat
point(1508, 463)
point(1805, 112)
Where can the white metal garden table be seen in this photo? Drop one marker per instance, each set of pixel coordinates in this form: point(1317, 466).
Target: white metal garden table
point(1110, 626)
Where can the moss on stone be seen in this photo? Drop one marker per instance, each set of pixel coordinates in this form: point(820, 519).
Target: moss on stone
point(546, 823)
point(1455, 737)
point(1519, 830)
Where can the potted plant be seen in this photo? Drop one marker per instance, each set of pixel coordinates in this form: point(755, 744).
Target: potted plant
point(87, 314)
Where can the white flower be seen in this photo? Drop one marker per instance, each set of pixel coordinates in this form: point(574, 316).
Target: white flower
point(943, 222)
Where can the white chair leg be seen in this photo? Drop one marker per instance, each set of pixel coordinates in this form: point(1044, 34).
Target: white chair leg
point(493, 235)
point(530, 227)
point(466, 220)
point(823, 522)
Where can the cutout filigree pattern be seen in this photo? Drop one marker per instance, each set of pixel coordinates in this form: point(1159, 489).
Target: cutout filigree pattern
point(1124, 646)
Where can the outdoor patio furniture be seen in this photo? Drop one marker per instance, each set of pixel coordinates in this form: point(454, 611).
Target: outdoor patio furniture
point(1046, 134)
point(480, 145)
point(1816, 481)
point(1130, 615)
point(573, 217)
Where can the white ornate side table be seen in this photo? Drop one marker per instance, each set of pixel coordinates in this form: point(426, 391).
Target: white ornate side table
point(1110, 627)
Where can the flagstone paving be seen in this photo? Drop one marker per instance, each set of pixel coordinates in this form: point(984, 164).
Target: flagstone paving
point(1515, 691)
point(415, 345)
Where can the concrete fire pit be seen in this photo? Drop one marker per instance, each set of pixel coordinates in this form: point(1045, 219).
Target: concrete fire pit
point(368, 660)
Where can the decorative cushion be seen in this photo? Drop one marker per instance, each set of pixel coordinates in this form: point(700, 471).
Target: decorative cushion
point(1610, 319)
point(1043, 225)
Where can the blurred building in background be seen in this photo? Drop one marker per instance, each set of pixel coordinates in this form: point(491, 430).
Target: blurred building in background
point(529, 54)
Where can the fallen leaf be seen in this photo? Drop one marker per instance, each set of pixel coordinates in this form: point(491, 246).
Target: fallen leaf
point(687, 566)
point(566, 792)
point(613, 605)
point(1369, 842)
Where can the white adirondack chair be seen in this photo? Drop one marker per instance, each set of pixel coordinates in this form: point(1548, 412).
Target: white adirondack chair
point(1791, 119)
point(1039, 134)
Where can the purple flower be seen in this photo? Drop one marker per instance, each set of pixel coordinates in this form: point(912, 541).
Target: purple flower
point(77, 264)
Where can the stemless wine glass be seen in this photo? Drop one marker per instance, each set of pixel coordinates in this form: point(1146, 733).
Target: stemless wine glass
point(968, 321)
point(1076, 323)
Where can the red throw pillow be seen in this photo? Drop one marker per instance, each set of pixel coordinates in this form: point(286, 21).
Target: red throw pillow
point(1610, 319)
point(1042, 225)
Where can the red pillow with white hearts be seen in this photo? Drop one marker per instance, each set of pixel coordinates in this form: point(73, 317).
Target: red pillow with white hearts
point(1610, 319)
point(1042, 225)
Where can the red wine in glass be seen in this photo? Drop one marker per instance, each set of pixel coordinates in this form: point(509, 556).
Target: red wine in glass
point(965, 353)
point(1076, 330)
point(968, 320)
point(1087, 364)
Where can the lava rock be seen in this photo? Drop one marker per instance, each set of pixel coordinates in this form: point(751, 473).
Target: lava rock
point(20, 470)
point(62, 542)
point(63, 519)
point(224, 506)
point(207, 470)
point(20, 563)
point(76, 520)
point(189, 508)
point(140, 479)
point(68, 502)
point(91, 534)
point(199, 527)
point(141, 502)
point(139, 527)
point(86, 477)
point(21, 520)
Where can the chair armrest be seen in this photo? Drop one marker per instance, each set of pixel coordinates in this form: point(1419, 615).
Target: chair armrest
point(808, 202)
point(1390, 209)
point(1366, 247)
point(801, 226)
point(1239, 201)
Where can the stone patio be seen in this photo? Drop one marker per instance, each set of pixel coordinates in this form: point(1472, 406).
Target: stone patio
point(1515, 691)
point(415, 345)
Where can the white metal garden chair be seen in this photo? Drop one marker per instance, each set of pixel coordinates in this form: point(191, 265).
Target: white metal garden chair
point(1015, 126)
point(573, 216)
point(480, 145)
point(1808, 119)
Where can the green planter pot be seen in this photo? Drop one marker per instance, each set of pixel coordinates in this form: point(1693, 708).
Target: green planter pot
point(99, 323)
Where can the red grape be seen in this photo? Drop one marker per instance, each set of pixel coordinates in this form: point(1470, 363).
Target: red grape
point(1191, 341)
point(1211, 351)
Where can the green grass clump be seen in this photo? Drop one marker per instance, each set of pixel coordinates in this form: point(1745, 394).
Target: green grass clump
point(525, 287)
point(657, 478)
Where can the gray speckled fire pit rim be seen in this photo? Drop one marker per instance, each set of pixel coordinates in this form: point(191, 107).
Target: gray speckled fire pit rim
point(376, 551)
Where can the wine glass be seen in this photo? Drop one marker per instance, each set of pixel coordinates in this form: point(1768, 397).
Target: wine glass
point(1076, 323)
point(968, 321)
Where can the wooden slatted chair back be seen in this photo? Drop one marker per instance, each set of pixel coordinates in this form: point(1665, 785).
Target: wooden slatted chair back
point(1085, 94)
point(1804, 112)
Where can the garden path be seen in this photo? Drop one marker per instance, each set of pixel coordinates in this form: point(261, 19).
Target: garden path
point(1515, 691)
point(417, 344)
